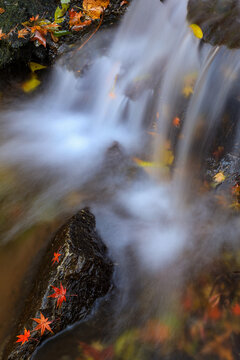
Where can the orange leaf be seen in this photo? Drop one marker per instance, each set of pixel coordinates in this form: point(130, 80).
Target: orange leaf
point(56, 257)
point(22, 33)
point(2, 10)
point(2, 35)
point(94, 8)
point(43, 324)
point(34, 18)
point(38, 36)
point(176, 122)
point(214, 313)
point(23, 338)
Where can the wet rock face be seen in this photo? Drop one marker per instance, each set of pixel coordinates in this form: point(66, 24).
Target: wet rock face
point(84, 270)
point(219, 20)
point(14, 49)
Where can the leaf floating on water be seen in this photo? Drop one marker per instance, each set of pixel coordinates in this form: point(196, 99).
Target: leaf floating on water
point(30, 85)
point(2, 35)
point(39, 37)
point(197, 31)
point(94, 8)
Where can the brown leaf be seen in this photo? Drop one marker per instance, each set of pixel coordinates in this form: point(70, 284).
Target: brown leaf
point(94, 8)
point(38, 36)
point(22, 33)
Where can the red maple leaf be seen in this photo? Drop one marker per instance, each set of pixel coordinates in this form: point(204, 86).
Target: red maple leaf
point(56, 257)
point(40, 37)
point(59, 295)
point(25, 337)
point(43, 324)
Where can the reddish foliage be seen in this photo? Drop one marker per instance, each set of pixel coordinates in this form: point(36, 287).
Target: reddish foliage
point(23, 338)
point(59, 294)
point(43, 324)
point(56, 258)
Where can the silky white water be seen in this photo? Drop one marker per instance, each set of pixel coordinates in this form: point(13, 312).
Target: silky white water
point(59, 141)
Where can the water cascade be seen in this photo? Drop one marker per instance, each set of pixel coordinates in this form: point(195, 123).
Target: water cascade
point(132, 135)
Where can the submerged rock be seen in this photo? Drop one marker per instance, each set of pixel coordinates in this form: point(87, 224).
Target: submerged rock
point(84, 270)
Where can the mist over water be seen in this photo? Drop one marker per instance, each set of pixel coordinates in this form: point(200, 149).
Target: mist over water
point(60, 141)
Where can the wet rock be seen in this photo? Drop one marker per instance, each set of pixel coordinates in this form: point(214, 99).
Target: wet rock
point(16, 12)
point(23, 50)
point(84, 270)
point(219, 20)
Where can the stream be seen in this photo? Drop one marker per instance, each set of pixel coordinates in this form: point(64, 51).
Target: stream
point(141, 125)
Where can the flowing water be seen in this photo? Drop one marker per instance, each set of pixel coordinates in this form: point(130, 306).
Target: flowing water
point(154, 99)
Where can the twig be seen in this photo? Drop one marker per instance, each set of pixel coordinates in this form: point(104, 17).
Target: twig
point(85, 42)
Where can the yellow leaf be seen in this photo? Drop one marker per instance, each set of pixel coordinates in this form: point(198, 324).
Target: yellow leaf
point(94, 8)
point(31, 84)
point(187, 91)
point(219, 177)
point(35, 66)
point(197, 31)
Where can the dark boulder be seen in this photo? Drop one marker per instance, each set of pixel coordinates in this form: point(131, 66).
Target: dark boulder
point(219, 20)
point(84, 270)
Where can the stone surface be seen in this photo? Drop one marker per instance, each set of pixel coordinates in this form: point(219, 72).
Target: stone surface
point(219, 20)
point(13, 50)
point(84, 270)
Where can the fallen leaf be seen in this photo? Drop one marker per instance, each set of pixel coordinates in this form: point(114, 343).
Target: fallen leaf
point(2, 10)
point(197, 31)
point(56, 258)
point(35, 66)
point(43, 324)
point(59, 294)
point(219, 177)
point(94, 8)
point(124, 2)
point(60, 12)
point(23, 338)
point(34, 18)
point(31, 84)
point(22, 33)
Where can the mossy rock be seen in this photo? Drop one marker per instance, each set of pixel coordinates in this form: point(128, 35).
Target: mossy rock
point(17, 12)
